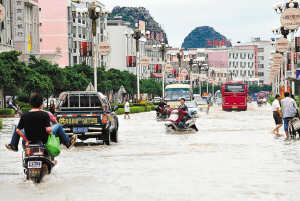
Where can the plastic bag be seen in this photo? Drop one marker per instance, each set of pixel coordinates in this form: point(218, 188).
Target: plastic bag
point(53, 146)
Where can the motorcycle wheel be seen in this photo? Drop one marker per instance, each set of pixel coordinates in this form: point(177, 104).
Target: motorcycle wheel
point(170, 128)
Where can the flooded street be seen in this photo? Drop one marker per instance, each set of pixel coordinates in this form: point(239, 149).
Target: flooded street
point(232, 157)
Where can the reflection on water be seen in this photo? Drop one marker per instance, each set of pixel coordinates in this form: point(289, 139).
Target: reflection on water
point(232, 157)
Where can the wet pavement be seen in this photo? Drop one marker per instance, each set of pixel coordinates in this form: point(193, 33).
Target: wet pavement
point(232, 157)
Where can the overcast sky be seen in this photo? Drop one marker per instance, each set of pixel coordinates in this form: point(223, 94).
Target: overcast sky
point(238, 20)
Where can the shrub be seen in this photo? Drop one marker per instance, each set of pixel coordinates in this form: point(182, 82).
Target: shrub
point(26, 109)
point(135, 110)
point(22, 104)
point(271, 100)
point(7, 111)
point(153, 107)
point(122, 105)
point(120, 111)
point(0, 123)
point(149, 108)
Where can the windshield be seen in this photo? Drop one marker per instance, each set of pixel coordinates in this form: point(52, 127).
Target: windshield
point(201, 102)
point(177, 94)
point(261, 94)
point(235, 88)
point(191, 104)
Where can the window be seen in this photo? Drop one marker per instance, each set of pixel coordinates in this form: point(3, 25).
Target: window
point(248, 72)
point(241, 55)
point(244, 64)
point(252, 64)
point(260, 66)
point(41, 24)
point(234, 88)
point(75, 59)
point(241, 64)
point(40, 9)
point(229, 55)
point(241, 72)
point(260, 49)
point(260, 58)
point(229, 63)
point(232, 55)
point(253, 72)
point(41, 40)
point(248, 64)
point(237, 64)
point(248, 56)
point(260, 74)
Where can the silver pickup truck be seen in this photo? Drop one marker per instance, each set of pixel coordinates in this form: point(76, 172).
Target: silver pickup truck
point(87, 114)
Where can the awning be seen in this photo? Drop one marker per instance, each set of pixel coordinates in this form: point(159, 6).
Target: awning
point(292, 78)
point(156, 75)
point(76, 5)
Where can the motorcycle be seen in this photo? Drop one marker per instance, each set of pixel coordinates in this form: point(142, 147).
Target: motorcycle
point(36, 162)
point(259, 103)
point(163, 113)
point(178, 122)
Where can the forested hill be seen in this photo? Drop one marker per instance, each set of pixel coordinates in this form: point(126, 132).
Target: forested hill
point(204, 37)
point(133, 15)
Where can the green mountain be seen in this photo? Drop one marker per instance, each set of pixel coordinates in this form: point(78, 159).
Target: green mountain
point(133, 15)
point(205, 37)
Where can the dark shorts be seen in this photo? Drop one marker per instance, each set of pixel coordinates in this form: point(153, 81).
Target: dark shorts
point(277, 118)
point(126, 112)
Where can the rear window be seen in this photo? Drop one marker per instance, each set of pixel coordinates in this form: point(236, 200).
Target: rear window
point(235, 88)
point(86, 100)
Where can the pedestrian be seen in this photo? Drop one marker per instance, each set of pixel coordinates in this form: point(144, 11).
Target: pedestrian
point(289, 111)
point(127, 109)
point(52, 107)
point(292, 96)
point(277, 114)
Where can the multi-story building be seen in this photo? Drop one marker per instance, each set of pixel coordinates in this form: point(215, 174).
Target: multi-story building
point(262, 48)
point(6, 31)
point(63, 31)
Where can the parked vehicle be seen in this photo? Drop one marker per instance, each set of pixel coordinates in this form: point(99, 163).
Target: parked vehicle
point(36, 162)
point(234, 96)
point(178, 122)
point(87, 114)
point(203, 105)
point(193, 107)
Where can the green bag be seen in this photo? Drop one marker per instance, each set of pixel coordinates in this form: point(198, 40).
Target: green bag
point(53, 146)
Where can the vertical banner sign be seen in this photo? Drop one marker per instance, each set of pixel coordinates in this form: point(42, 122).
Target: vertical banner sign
point(85, 49)
point(298, 75)
point(297, 44)
point(18, 10)
point(142, 26)
point(288, 88)
point(2, 15)
point(131, 61)
point(29, 43)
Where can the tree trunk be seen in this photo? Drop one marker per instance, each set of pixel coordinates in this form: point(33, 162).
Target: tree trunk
point(4, 96)
point(47, 98)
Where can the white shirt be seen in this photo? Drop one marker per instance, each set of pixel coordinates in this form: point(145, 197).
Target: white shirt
point(289, 107)
point(275, 105)
point(126, 107)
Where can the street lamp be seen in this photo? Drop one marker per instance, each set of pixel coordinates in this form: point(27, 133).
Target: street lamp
point(94, 12)
point(179, 57)
point(137, 35)
point(201, 66)
point(163, 47)
point(279, 9)
point(213, 72)
point(128, 35)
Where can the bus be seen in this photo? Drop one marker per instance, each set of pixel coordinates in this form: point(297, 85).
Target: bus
point(234, 96)
point(262, 94)
point(267, 93)
point(255, 96)
point(174, 92)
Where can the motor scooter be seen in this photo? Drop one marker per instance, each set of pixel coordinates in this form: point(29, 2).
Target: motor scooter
point(163, 114)
point(178, 122)
point(36, 162)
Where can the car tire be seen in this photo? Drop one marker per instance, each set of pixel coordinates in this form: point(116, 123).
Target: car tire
point(107, 141)
point(114, 136)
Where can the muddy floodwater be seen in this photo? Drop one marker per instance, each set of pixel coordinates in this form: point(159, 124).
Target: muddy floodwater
point(233, 156)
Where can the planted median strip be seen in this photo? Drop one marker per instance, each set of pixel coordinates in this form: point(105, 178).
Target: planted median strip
point(135, 108)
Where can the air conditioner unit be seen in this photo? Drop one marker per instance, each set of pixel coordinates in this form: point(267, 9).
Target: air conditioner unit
point(251, 57)
point(235, 57)
point(235, 66)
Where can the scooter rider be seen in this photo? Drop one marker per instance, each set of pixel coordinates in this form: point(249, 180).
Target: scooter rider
point(183, 107)
point(161, 104)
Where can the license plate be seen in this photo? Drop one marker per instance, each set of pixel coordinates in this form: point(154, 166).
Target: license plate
point(235, 107)
point(34, 164)
point(80, 129)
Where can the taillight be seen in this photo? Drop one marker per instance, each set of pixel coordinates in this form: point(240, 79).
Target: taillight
point(104, 119)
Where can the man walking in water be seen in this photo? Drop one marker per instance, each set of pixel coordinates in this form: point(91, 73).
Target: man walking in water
point(277, 114)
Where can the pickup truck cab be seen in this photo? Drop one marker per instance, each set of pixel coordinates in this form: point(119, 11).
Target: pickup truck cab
point(87, 114)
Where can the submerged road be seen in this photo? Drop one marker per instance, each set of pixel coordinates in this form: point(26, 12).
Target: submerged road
point(232, 157)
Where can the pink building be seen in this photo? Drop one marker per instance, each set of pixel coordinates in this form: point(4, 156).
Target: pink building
point(54, 30)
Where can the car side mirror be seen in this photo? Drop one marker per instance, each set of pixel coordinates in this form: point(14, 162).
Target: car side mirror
point(115, 108)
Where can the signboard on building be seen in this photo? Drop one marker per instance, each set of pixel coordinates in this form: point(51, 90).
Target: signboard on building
point(168, 68)
point(297, 44)
point(290, 18)
point(131, 61)
point(218, 42)
point(283, 44)
point(289, 59)
point(282, 90)
point(184, 72)
point(144, 61)
point(104, 48)
point(86, 49)
point(18, 10)
point(298, 75)
point(2, 13)
point(278, 58)
point(142, 26)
